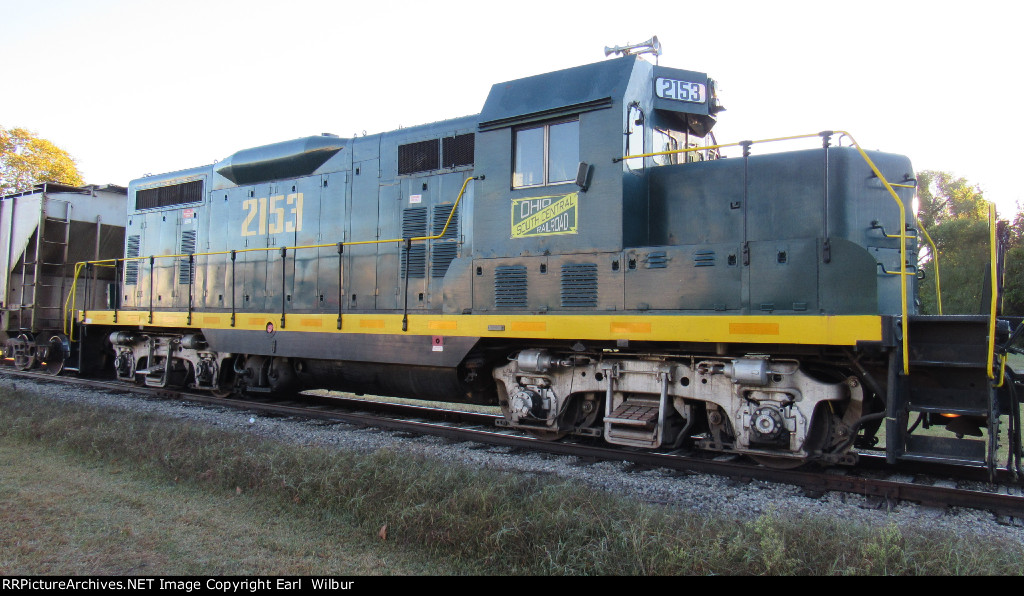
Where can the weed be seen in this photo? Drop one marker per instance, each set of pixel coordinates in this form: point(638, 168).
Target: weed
point(883, 553)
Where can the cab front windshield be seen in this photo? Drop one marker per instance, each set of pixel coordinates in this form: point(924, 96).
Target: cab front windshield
point(666, 139)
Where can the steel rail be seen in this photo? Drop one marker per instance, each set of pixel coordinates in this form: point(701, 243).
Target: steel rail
point(338, 409)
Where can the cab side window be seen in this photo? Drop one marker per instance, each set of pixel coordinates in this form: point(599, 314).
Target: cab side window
point(546, 154)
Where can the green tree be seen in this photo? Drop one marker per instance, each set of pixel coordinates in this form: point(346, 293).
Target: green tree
point(27, 160)
point(1013, 275)
point(955, 214)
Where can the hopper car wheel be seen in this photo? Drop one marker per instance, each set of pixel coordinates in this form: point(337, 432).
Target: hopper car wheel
point(56, 354)
point(24, 352)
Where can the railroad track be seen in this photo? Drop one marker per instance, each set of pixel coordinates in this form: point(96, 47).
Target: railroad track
point(1003, 497)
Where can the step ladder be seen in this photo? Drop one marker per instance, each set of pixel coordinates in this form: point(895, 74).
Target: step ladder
point(52, 231)
point(634, 422)
point(948, 384)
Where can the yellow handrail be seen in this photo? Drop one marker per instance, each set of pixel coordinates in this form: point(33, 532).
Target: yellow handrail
point(68, 311)
point(935, 257)
point(719, 146)
point(903, 249)
point(69, 330)
point(74, 288)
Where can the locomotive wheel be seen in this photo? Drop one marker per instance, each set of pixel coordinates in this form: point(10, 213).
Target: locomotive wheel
point(577, 410)
point(778, 463)
point(548, 435)
point(543, 435)
point(225, 381)
point(817, 438)
point(223, 392)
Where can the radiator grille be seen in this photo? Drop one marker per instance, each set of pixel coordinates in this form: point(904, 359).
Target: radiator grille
point(458, 150)
point(166, 196)
point(419, 157)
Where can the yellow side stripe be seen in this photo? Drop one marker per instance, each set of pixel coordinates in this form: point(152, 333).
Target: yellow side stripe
point(795, 329)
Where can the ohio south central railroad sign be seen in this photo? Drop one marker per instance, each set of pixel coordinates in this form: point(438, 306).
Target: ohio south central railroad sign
point(545, 216)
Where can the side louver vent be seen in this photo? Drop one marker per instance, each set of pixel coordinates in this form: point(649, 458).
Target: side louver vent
point(510, 286)
point(131, 268)
point(656, 260)
point(188, 246)
point(579, 284)
point(414, 222)
point(443, 250)
point(704, 258)
point(414, 225)
point(417, 261)
point(441, 256)
point(441, 213)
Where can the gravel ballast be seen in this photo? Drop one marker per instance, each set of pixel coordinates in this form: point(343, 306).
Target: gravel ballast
point(696, 492)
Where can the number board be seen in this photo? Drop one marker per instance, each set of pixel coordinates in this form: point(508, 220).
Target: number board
point(680, 90)
point(545, 216)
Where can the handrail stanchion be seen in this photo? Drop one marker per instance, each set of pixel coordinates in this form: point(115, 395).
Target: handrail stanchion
point(233, 254)
point(995, 290)
point(341, 266)
point(152, 271)
point(117, 286)
point(191, 276)
point(284, 282)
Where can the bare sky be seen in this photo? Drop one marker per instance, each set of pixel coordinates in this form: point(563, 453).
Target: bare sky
point(137, 87)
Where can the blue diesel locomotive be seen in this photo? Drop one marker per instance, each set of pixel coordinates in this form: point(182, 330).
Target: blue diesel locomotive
point(578, 253)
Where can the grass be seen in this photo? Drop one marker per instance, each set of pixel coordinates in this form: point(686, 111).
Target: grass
point(90, 490)
point(63, 515)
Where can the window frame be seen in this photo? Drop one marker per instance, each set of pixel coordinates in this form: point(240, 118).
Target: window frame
point(546, 152)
